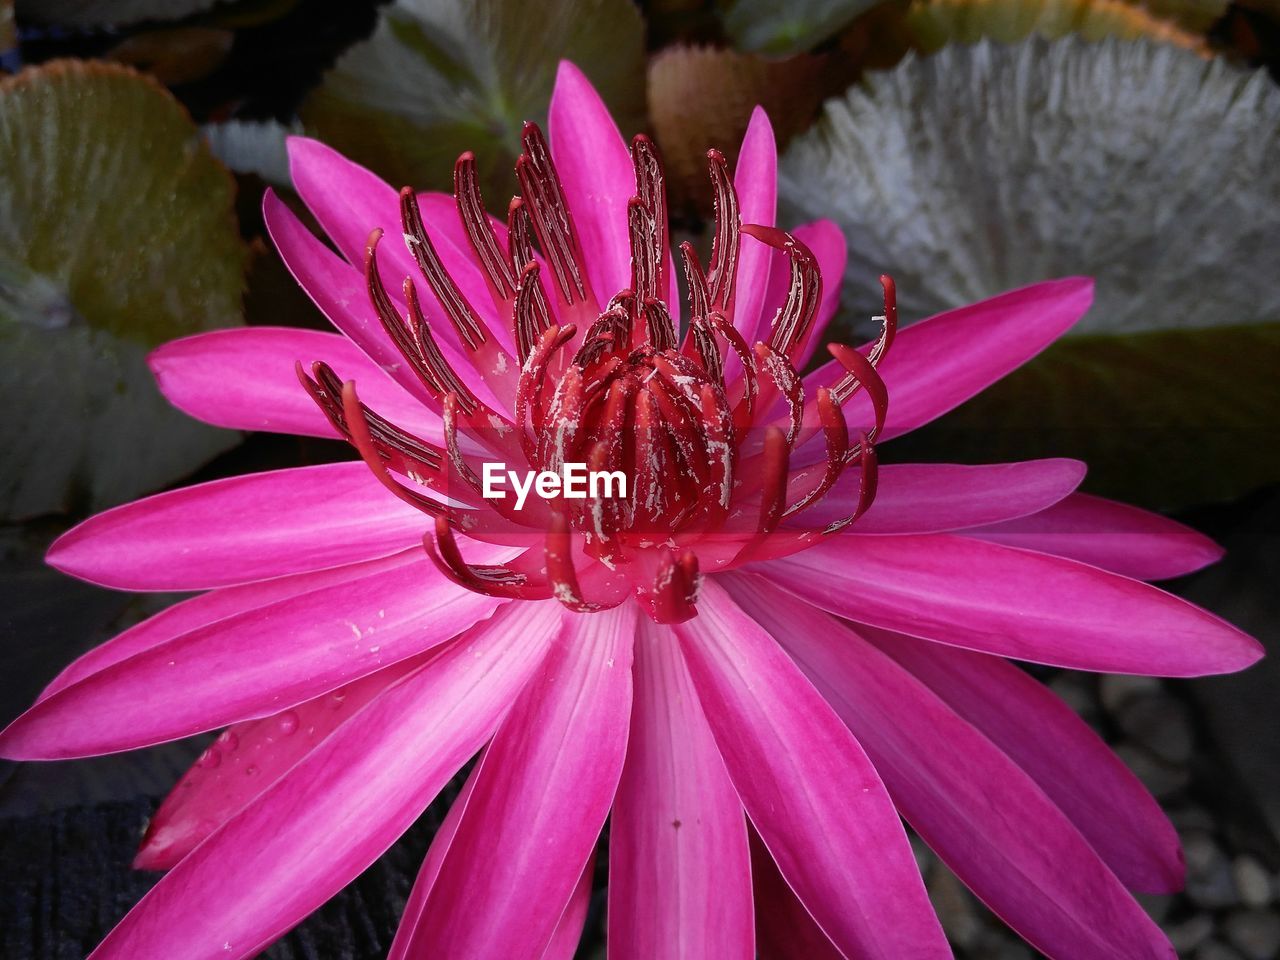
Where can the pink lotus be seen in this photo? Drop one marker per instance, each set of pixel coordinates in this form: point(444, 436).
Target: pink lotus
point(748, 632)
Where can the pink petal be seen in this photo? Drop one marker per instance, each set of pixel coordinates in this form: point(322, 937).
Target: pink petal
point(933, 497)
point(244, 379)
point(214, 606)
point(938, 363)
point(430, 869)
point(241, 529)
point(808, 788)
point(1013, 603)
point(338, 289)
point(247, 759)
point(350, 201)
point(249, 665)
point(679, 877)
point(344, 804)
point(1111, 535)
point(784, 929)
point(970, 802)
point(564, 941)
point(595, 168)
point(1047, 739)
point(543, 792)
point(756, 180)
point(568, 932)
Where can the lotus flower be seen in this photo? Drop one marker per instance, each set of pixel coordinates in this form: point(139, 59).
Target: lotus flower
point(750, 665)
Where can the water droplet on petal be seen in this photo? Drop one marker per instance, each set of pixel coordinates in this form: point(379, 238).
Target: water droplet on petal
point(250, 770)
point(287, 722)
point(228, 740)
point(210, 758)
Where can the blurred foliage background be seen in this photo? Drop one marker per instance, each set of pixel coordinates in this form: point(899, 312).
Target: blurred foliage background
point(964, 146)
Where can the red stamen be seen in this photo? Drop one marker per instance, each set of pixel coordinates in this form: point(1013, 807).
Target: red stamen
point(722, 277)
point(530, 314)
point(744, 409)
point(651, 189)
point(494, 262)
point(362, 440)
point(433, 361)
point(552, 221)
point(868, 474)
point(773, 494)
point(860, 374)
point(836, 432)
point(791, 326)
point(519, 234)
point(494, 580)
point(659, 325)
point(673, 593)
point(706, 461)
point(529, 407)
point(889, 320)
point(787, 382)
point(457, 308)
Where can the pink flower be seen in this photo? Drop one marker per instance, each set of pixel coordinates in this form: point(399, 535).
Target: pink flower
point(357, 672)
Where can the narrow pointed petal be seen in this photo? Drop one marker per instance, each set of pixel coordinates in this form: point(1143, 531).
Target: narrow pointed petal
point(935, 497)
point(568, 932)
point(1048, 740)
point(564, 941)
point(937, 364)
point(245, 760)
point(679, 876)
point(249, 665)
point(550, 773)
point(217, 605)
point(982, 814)
point(1115, 536)
point(430, 869)
point(595, 169)
point(240, 529)
point(245, 379)
point(784, 929)
point(809, 789)
point(344, 804)
point(1013, 603)
point(756, 180)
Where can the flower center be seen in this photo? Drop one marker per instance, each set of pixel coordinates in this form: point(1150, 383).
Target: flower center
point(725, 449)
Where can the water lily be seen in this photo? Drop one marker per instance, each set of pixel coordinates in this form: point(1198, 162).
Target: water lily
point(750, 666)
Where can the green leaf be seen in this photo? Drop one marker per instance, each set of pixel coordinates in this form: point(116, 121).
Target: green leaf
point(987, 167)
point(1166, 418)
point(934, 23)
point(8, 29)
point(439, 77)
point(107, 13)
point(253, 147)
point(701, 97)
point(767, 26)
point(117, 234)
